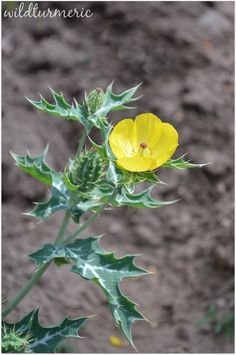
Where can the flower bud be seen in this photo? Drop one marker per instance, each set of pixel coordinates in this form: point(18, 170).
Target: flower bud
point(95, 100)
point(85, 171)
point(13, 342)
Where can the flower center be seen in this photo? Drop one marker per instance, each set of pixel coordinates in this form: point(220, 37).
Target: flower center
point(143, 145)
point(143, 150)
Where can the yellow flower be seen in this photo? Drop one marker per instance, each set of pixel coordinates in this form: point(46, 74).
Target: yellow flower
point(143, 144)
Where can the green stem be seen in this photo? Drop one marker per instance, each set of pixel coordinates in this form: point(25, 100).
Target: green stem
point(64, 225)
point(91, 219)
point(24, 291)
point(81, 143)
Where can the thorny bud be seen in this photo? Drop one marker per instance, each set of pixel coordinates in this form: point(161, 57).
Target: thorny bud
point(95, 100)
point(13, 342)
point(86, 171)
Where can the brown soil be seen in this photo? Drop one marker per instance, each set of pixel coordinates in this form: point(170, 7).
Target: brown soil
point(183, 54)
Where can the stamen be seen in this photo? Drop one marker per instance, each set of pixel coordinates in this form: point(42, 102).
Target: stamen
point(143, 145)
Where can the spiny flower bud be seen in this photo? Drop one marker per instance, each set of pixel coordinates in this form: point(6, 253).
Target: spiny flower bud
point(95, 100)
point(13, 342)
point(86, 171)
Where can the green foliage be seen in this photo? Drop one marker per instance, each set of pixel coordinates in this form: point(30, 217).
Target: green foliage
point(93, 263)
point(115, 102)
point(63, 109)
point(219, 324)
point(62, 198)
point(180, 163)
point(141, 200)
point(44, 339)
point(35, 166)
point(225, 325)
point(85, 114)
point(59, 200)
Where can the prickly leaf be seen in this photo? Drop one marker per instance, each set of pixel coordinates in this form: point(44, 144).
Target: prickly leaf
point(180, 163)
point(93, 263)
point(45, 339)
point(59, 200)
point(61, 108)
point(114, 102)
point(35, 166)
point(62, 198)
point(141, 200)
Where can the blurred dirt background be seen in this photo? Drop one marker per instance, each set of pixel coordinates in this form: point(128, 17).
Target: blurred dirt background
point(183, 54)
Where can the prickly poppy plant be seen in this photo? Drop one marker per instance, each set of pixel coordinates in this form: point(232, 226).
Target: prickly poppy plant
point(103, 175)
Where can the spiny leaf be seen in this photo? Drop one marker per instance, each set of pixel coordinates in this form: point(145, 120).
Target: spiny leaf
point(45, 339)
point(80, 207)
point(180, 163)
point(114, 102)
point(93, 263)
point(141, 200)
point(35, 166)
point(59, 200)
point(113, 174)
point(61, 108)
point(75, 201)
point(77, 112)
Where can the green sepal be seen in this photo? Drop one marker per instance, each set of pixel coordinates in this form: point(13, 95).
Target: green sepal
point(100, 148)
point(45, 339)
point(35, 166)
point(93, 263)
point(148, 176)
point(67, 181)
point(180, 163)
point(140, 200)
point(134, 178)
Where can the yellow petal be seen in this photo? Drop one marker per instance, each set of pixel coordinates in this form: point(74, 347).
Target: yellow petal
point(161, 159)
point(167, 142)
point(116, 341)
point(120, 139)
point(136, 163)
point(147, 129)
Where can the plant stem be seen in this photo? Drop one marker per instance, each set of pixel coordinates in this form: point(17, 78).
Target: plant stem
point(81, 143)
point(91, 219)
point(23, 292)
point(64, 225)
